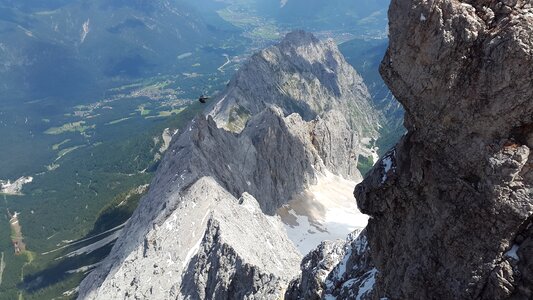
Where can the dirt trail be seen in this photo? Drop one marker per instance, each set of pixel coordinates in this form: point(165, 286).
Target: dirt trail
point(16, 234)
point(2, 267)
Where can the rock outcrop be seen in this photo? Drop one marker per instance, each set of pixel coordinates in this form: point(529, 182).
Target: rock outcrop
point(300, 75)
point(237, 258)
point(191, 226)
point(337, 144)
point(315, 268)
point(451, 206)
point(336, 270)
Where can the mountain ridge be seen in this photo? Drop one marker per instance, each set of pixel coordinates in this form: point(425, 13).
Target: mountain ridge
point(207, 168)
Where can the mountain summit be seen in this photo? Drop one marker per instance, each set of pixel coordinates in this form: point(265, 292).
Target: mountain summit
point(300, 75)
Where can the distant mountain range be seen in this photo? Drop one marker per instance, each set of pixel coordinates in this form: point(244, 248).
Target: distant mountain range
point(363, 15)
point(62, 47)
point(58, 47)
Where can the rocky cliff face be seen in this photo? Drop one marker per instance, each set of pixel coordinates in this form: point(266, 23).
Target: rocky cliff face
point(196, 250)
point(206, 229)
point(300, 75)
point(452, 204)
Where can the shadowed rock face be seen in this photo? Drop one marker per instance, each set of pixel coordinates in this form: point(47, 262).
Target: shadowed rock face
point(452, 204)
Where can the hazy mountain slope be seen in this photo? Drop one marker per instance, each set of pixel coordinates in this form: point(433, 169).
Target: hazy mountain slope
point(52, 50)
point(362, 16)
point(366, 55)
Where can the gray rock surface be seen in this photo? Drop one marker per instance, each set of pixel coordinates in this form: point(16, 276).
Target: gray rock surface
point(355, 275)
point(452, 204)
point(237, 163)
point(310, 78)
point(238, 258)
point(337, 144)
point(300, 75)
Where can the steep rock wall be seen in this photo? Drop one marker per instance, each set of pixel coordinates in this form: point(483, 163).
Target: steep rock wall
point(452, 204)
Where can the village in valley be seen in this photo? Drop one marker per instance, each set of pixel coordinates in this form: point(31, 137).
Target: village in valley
point(14, 188)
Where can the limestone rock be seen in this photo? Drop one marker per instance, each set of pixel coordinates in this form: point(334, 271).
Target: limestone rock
point(310, 78)
point(336, 270)
point(355, 275)
point(236, 256)
point(337, 144)
point(229, 252)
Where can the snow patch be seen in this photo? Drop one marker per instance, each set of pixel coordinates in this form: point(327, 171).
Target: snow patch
point(85, 30)
point(2, 266)
point(343, 263)
point(69, 243)
point(387, 164)
point(368, 285)
point(325, 211)
point(83, 269)
point(512, 253)
point(71, 292)
point(94, 246)
point(192, 252)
